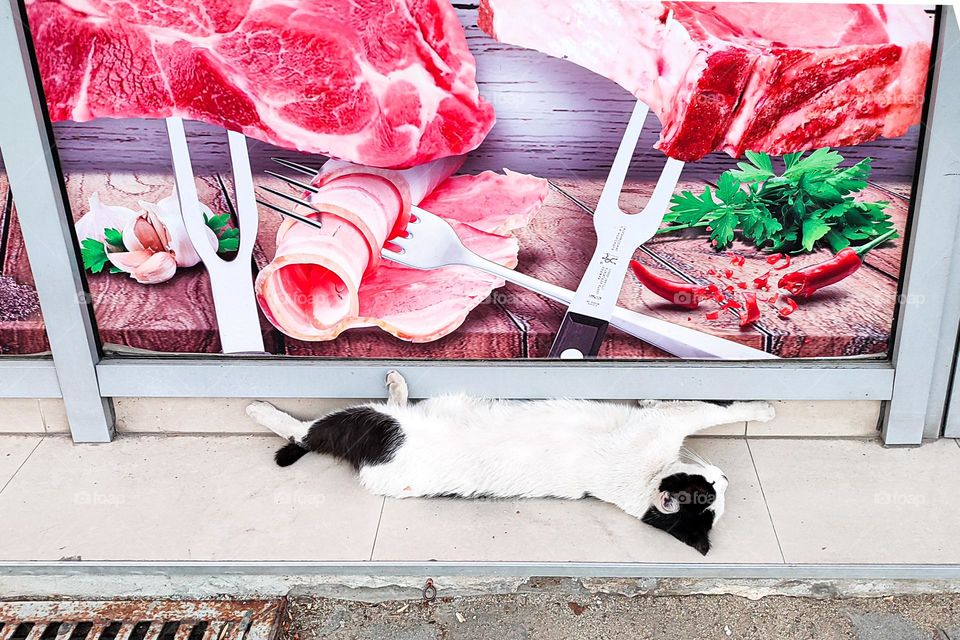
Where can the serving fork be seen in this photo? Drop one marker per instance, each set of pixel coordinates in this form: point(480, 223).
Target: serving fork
point(431, 243)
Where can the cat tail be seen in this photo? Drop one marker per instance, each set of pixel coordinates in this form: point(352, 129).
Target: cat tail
point(289, 453)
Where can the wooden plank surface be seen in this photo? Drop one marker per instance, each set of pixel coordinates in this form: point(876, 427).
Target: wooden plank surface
point(27, 335)
point(850, 318)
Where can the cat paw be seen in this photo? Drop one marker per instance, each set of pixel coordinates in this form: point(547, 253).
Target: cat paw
point(762, 412)
point(260, 411)
point(396, 388)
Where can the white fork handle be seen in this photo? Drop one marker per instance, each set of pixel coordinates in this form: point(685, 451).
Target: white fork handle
point(672, 338)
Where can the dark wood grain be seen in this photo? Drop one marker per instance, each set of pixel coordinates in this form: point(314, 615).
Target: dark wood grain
point(849, 318)
point(888, 258)
point(26, 336)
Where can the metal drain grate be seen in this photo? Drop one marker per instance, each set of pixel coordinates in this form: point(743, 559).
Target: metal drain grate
point(141, 620)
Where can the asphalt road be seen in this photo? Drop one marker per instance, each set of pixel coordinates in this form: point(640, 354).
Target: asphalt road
point(614, 617)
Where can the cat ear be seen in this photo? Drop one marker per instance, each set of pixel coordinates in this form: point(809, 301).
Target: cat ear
point(668, 503)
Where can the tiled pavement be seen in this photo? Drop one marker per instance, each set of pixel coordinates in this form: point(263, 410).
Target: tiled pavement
point(220, 497)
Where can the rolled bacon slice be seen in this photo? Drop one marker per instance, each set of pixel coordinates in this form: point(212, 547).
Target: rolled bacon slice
point(324, 281)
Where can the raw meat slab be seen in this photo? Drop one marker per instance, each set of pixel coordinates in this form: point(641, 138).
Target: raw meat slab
point(386, 83)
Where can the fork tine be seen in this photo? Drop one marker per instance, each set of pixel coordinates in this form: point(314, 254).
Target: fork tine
point(287, 196)
point(290, 214)
point(666, 183)
point(610, 197)
point(296, 183)
point(301, 168)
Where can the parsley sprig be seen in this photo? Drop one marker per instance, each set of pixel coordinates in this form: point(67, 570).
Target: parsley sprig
point(810, 204)
point(94, 253)
point(228, 237)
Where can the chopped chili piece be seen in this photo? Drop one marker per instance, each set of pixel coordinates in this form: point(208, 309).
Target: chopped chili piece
point(682, 294)
point(737, 261)
point(728, 273)
point(774, 258)
point(761, 282)
point(786, 263)
point(751, 311)
point(728, 288)
point(713, 315)
point(730, 304)
point(742, 285)
point(711, 272)
point(790, 308)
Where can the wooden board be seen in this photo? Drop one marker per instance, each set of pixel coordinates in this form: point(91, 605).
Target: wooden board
point(851, 318)
point(26, 336)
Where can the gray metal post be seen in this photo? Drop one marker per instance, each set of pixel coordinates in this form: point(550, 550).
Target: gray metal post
point(32, 167)
point(923, 336)
point(952, 426)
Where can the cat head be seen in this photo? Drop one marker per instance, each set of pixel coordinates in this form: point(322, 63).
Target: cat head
point(687, 503)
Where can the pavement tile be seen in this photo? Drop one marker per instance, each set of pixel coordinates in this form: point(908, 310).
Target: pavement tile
point(13, 451)
point(576, 531)
point(183, 498)
point(840, 501)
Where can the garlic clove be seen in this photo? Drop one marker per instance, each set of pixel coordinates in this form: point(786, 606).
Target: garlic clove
point(142, 234)
point(145, 267)
point(174, 236)
point(102, 216)
point(159, 267)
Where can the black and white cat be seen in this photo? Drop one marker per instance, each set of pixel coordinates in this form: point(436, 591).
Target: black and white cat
point(631, 456)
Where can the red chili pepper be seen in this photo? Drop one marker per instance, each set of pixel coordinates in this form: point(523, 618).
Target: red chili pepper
point(751, 311)
point(728, 288)
point(742, 285)
point(711, 272)
point(761, 282)
point(737, 261)
point(786, 263)
point(713, 315)
point(804, 282)
point(790, 308)
point(728, 273)
point(774, 258)
point(682, 294)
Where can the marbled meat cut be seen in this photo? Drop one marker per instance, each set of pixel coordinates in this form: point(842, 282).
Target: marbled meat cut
point(387, 83)
point(324, 281)
point(741, 77)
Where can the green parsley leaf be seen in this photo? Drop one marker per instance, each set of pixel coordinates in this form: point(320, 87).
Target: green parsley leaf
point(216, 223)
point(759, 168)
point(114, 238)
point(228, 244)
point(813, 230)
point(94, 255)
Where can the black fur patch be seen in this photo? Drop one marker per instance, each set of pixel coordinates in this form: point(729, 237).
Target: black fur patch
point(721, 403)
point(360, 435)
point(692, 523)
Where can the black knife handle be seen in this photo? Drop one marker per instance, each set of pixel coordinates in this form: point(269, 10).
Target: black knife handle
point(580, 332)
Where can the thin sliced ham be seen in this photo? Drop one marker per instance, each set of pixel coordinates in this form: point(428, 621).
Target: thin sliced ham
point(324, 281)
